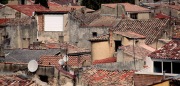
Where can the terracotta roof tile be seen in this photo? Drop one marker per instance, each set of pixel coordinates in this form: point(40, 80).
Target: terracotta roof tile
point(176, 34)
point(71, 48)
point(3, 21)
point(138, 51)
point(72, 62)
point(161, 16)
point(86, 18)
point(95, 77)
point(170, 50)
point(14, 80)
point(145, 79)
point(130, 34)
point(100, 38)
point(28, 9)
point(106, 60)
point(129, 7)
point(151, 28)
point(103, 21)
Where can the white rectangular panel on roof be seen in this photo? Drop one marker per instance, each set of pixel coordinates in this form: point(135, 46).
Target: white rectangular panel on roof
point(53, 23)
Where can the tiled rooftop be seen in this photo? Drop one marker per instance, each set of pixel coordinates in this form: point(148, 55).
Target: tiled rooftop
point(100, 38)
point(106, 60)
point(86, 18)
point(152, 29)
point(161, 16)
point(72, 62)
point(103, 21)
point(3, 21)
point(140, 52)
point(145, 79)
point(130, 34)
point(14, 80)
point(95, 77)
point(28, 9)
point(170, 50)
point(128, 7)
point(176, 34)
point(25, 55)
point(53, 7)
point(71, 48)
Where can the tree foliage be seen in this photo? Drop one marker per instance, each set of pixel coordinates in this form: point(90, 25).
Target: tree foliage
point(42, 2)
point(96, 4)
point(3, 1)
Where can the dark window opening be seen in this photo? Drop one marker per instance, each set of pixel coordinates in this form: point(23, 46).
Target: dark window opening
point(61, 39)
point(22, 2)
point(94, 34)
point(133, 15)
point(43, 78)
point(176, 68)
point(117, 44)
point(167, 67)
point(157, 67)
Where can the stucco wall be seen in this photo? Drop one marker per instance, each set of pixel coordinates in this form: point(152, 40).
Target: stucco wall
point(80, 35)
point(7, 12)
point(21, 35)
point(100, 50)
point(49, 36)
point(143, 15)
point(113, 11)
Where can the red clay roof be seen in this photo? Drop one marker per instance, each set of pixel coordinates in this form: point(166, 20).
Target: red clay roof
point(140, 52)
point(130, 34)
point(151, 28)
point(176, 34)
point(162, 16)
point(14, 80)
point(106, 60)
point(170, 50)
point(145, 79)
point(95, 77)
point(72, 62)
point(100, 38)
point(3, 21)
point(103, 21)
point(28, 9)
point(71, 48)
point(129, 7)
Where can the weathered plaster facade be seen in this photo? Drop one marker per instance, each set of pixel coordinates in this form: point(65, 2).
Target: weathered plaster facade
point(20, 35)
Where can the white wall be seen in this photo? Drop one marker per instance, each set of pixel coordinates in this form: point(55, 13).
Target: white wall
point(149, 63)
point(53, 22)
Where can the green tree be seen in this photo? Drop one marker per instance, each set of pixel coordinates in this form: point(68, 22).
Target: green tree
point(42, 2)
point(3, 1)
point(96, 4)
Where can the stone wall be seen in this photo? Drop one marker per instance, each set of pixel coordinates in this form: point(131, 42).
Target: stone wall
point(20, 35)
point(80, 35)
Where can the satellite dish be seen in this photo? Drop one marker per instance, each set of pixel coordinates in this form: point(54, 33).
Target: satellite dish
point(32, 66)
point(61, 61)
point(65, 58)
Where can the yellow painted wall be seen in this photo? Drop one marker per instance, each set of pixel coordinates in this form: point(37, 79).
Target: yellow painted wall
point(125, 41)
point(166, 83)
point(143, 16)
point(100, 50)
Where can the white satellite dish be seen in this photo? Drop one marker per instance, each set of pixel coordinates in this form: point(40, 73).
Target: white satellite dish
point(65, 58)
point(61, 61)
point(32, 65)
